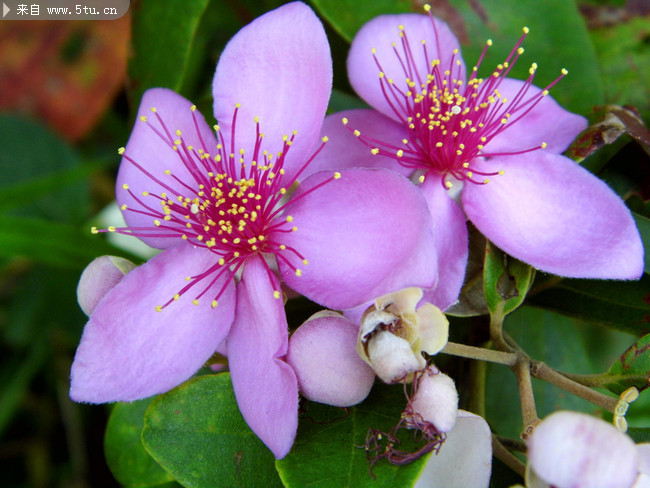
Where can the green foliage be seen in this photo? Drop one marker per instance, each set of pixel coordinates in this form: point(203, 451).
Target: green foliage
point(126, 456)
point(329, 450)
point(506, 281)
point(198, 435)
point(632, 368)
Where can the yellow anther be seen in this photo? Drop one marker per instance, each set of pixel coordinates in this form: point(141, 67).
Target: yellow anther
point(526, 30)
point(111, 229)
point(337, 175)
point(375, 151)
point(156, 223)
point(176, 297)
point(93, 230)
point(489, 42)
point(421, 178)
point(501, 172)
point(237, 105)
point(449, 185)
point(544, 93)
point(193, 108)
point(158, 308)
point(123, 207)
point(195, 301)
point(427, 7)
point(305, 262)
point(298, 272)
point(400, 153)
point(120, 151)
point(125, 186)
point(143, 118)
point(564, 71)
point(214, 304)
point(276, 294)
point(543, 145)
point(357, 133)
point(325, 139)
point(153, 109)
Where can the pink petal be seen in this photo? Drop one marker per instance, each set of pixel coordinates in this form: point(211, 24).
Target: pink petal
point(323, 353)
point(130, 351)
point(99, 277)
point(279, 69)
point(464, 460)
point(150, 146)
point(553, 214)
point(345, 150)
point(265, 386)
point(450, 233)
point(364, 235)
point(548, 122)
point(380, 33)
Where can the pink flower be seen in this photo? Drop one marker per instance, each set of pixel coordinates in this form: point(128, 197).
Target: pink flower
point(495, 140)
point(221, 206)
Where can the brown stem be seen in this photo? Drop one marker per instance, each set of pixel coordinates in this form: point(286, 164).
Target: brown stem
point(507, 457)
point(480, 353)
point(528, 410)
point(542, 371)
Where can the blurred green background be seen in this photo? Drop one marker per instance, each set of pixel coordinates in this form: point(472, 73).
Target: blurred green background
point(68, 94)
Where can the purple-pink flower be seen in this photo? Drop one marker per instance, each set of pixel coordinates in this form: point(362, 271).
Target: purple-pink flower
point(225, 210)
point(484, 149)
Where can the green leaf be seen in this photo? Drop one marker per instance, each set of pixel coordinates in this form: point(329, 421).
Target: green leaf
point(163, 36)
point(632, 368)
point(329, 447)
point(197, 434)
point(126, 457)
point(622, 305)
point(31, 153)
point(558, 39)
point(640, 435)
point(51, 243)
point(347, 16)
point(506, 280)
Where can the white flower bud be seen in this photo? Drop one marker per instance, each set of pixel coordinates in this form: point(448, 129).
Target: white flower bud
point(436, 400)
point(575, 450)
point(99, 277)
point(393, 334)
point(322, 353)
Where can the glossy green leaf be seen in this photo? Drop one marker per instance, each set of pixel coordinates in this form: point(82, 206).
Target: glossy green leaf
point(198, 435)
point(558, 39)
point(329, 448)
point(547, 337)
point(32, 160)
point(622, 305)
point(126, 456)
point(50, 242)
point(632, 368)
point(163, 36)
point(506, 280)
point(347, 16)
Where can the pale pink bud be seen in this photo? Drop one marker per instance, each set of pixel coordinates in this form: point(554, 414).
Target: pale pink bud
point(575, 450)
point(435, 400)
point(99, 277)
point(322, 352)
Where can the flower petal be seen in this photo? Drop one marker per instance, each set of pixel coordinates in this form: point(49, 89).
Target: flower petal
point(550, 212)
point(379, 34)
point(279, 69)
point(450, 231)
point(464, 460)
point(548, 122)
point(130, 351)
point(364, 235)
point(150, 147)
point(99, 277)
point(566, 449)
point(344, 150)
point(265, 386)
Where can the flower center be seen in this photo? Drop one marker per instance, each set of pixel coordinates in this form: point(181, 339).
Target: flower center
point(228, 202)
point(451, 120)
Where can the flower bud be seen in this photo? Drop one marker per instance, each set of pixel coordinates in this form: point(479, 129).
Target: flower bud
point(575, 450)
point(99, 277)
point(322, 354)
point(435, 400)
point(393, 334)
